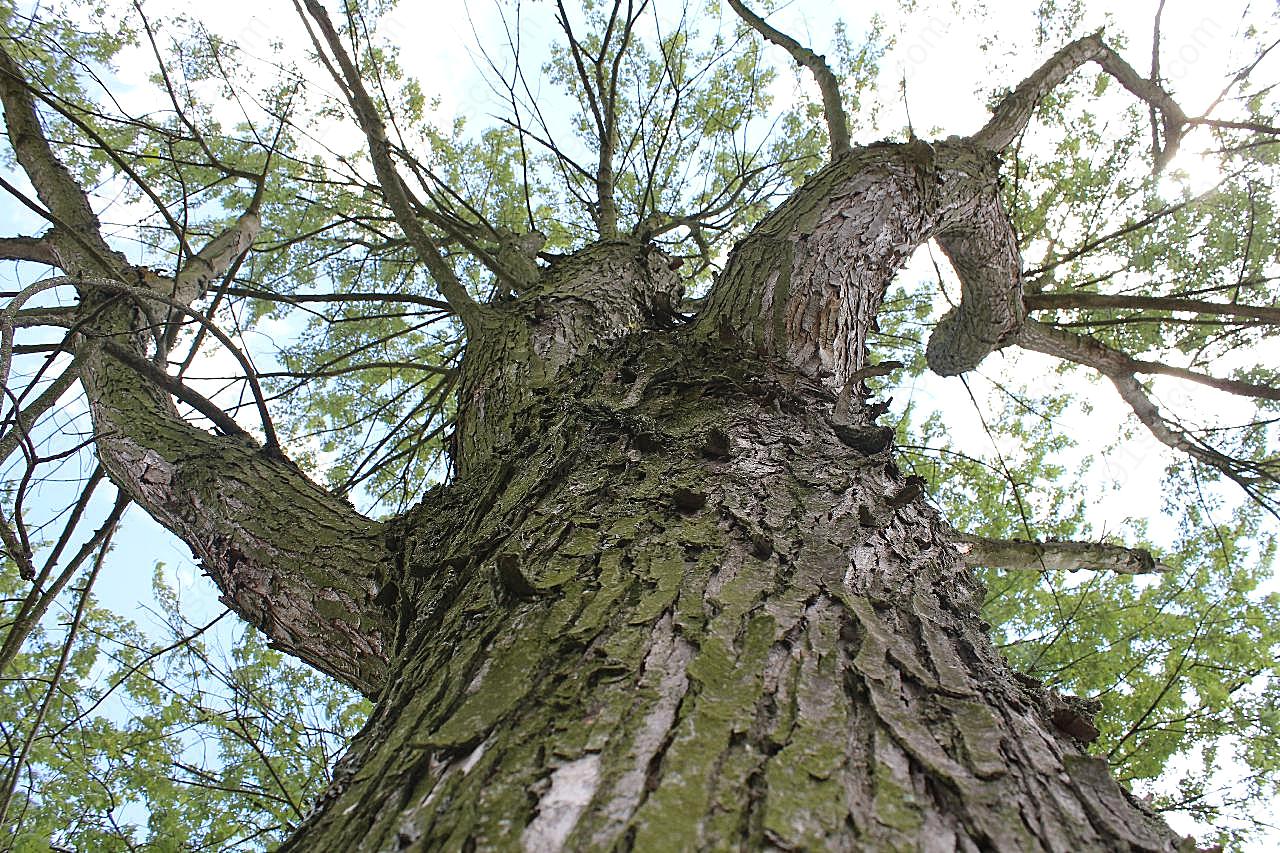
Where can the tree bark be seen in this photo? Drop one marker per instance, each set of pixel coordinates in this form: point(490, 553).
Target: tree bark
point(695, 617)
point(294, 560)
point(682, 598)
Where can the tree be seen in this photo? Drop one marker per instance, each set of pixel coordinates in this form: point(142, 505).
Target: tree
point(676, 590)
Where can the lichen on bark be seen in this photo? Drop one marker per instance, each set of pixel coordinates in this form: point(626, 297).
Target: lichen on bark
point(654, 680)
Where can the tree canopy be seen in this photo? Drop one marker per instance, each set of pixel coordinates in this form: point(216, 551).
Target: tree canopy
point(343, 228)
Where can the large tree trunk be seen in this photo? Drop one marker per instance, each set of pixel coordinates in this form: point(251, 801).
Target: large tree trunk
point(689, 611)
point(682, 598)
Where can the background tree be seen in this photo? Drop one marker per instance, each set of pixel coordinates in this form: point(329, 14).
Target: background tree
point(639, 506)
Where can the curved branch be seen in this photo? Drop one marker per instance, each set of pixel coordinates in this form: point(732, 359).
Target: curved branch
point(1014, 112)
point(288, 556)
point(1052, 556)
point(983, 250)
point(828, 83)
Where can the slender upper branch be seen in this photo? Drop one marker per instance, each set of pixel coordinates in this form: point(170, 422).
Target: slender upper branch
point(1052, 301)
point(347, 75)
point(828, 83)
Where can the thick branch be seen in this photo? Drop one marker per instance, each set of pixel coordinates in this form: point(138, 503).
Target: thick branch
point(66, 201)
point(1013, 113)
point(828, 83)
point(1060, 301)
point(983, 251)
point(287, 555)
point(393, 188)
point(1024, 555)
point(35, 249)
point(807, 282)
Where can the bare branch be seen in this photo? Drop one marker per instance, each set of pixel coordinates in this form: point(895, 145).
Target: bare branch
point(1052, 556)
point(216, 257)
point(1013, 113)
point(1085, 301)
point(1091, 352)
point(828, 83)
point(35, 249)
point(1120, 369)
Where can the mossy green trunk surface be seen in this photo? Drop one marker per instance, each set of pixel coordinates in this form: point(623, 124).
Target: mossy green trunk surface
point(688, 610)
point(677, 596)
point(681, 598)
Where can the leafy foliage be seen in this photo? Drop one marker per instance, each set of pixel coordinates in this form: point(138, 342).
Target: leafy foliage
point(152, 743)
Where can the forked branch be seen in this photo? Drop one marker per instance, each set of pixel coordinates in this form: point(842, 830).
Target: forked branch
point(1122, 370)
point(1014, 112)
point(290, 557)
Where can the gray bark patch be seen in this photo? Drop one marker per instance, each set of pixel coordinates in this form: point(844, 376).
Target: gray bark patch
point(572, 787)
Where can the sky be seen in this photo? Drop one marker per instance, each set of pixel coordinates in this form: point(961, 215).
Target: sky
point(948, 64)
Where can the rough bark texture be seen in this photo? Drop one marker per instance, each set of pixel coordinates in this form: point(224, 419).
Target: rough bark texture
point(695, 617)
point(683, 599)
point(679, 596)
point(288, 556)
